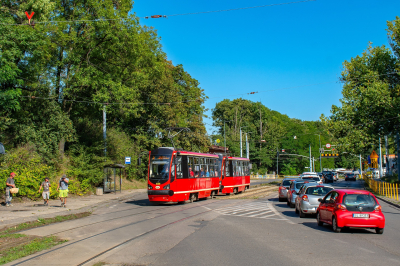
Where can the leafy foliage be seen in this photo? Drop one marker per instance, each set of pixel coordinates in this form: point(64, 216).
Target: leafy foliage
point(269, 132)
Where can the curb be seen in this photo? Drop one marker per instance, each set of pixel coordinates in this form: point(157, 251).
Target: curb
point(388, 202)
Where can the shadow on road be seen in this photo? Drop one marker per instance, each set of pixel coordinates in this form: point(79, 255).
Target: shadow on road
point(328, 228)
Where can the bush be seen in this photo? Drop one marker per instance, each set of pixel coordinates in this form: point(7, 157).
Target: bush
point(29, 169)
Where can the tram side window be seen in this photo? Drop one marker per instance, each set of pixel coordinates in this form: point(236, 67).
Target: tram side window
point(190, 167)
point(179, 173)
point(217, 168)
point(196, 167)
point(234, 173)
point(227, 172)
point(211, 168)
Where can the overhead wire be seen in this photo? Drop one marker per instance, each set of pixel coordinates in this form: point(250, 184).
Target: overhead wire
point(163, 16)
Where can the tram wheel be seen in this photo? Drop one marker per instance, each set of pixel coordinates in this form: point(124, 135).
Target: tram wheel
point(235, 191)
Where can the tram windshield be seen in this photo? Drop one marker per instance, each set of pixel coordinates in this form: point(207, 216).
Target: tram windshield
point(159, 167)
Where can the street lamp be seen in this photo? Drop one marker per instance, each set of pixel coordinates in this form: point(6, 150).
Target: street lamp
point(320, 160)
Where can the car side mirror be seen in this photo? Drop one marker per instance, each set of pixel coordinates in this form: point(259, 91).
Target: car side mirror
point(320, 200)
point(175, 160)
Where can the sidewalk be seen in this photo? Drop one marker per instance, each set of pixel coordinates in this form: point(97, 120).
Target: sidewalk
point(31, 211)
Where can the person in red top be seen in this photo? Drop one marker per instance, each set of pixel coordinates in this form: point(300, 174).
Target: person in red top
point(191, 173)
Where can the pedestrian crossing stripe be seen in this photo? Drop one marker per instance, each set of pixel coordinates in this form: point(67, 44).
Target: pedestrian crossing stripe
point(333, 155)
point(261, 210)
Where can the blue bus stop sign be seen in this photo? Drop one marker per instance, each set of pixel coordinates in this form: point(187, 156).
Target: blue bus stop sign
point(127, 160)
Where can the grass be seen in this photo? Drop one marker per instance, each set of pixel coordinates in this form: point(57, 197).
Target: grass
point(31, 247)
point(43, 221)
point(14, 246)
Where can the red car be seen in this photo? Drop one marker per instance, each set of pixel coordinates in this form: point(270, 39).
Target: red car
point(351, 208)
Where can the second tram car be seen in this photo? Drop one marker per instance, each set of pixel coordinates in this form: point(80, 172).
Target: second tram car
point(236, 175)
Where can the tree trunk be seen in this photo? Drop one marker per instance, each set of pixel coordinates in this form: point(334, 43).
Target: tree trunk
point(61, 146)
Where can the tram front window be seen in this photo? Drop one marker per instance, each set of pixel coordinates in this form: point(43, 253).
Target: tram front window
point(159, 168)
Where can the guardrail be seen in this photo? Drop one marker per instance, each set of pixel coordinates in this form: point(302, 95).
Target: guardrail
point(383, 188)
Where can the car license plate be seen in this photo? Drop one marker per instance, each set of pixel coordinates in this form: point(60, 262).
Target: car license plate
point(360, 215)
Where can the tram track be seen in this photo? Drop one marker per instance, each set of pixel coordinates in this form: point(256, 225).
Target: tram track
point(114, 229)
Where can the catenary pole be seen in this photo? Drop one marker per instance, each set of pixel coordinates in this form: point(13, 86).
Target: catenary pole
point(105, 130)
point(398, 155)
point(388, 172)
point(241, 148)
point(310, 160)
point(380, 158)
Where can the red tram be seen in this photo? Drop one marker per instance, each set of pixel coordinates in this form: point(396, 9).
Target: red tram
point(178, 176)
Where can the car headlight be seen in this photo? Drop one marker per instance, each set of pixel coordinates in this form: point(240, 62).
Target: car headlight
point(149, 187)
point(166, 187)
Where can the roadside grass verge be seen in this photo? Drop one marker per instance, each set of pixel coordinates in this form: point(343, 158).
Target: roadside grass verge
point(14, 246)
point(42, 222)
point(30, 246)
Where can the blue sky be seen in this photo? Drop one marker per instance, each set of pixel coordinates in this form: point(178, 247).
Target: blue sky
point(292, 54)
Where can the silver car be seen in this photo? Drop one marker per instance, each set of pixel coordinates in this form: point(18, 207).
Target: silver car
point(283, 188)
point(293, 190)
point(307, 198)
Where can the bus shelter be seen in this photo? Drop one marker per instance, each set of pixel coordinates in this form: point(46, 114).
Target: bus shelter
point(113, 174)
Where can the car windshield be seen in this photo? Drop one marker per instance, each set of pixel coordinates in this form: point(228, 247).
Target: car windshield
point(159, 166)
point(318, 191)
point(310, 178)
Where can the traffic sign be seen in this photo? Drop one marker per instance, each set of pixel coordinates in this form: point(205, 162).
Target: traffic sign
point(328, 146)
point(127, 160)
point(283, 150)
point(218, 141)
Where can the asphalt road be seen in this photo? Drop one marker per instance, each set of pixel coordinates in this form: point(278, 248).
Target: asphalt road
point(215, 232)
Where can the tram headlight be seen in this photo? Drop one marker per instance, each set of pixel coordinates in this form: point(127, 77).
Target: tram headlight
point(166, 187)
point(149, 187)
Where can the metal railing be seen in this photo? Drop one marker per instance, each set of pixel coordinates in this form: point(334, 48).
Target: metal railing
point(271, 176)
point(385, 189)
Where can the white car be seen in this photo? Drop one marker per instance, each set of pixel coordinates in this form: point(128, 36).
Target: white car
point(314, 178)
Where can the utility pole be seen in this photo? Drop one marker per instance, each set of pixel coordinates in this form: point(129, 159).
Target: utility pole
point(320, 160)
point(241, 150)
point(277, 162)
point(380, 159)
point(310, 160)
point(388, 172)
point(398, 155)
point(105, 131)
point(360, 167)
point(313, 159)
point(247, 147)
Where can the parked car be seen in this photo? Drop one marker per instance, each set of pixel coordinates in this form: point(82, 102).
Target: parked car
point(307, 201)
point(293, 190)
point(350, 177)
point(351, 208)
point(283, 188)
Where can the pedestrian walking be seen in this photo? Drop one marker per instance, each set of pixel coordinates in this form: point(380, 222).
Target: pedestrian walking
point(63, 187)
point(10, 183)
point(46, 191)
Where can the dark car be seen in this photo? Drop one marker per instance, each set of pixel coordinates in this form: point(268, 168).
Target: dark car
point(328, 178)
point(350, 177)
